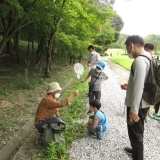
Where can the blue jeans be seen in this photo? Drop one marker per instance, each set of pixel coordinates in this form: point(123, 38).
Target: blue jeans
point(100, 132)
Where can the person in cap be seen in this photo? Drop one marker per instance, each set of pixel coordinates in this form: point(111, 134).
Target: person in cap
point(97, 76)
point(48, 107)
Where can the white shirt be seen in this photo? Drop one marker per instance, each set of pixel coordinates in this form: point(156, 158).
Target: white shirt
point(95, 56)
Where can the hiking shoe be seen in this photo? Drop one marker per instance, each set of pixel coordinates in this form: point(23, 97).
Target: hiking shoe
point(93, 135)
point(157, 118)
point(154, 115)
point(89, 112)
point(128, 150)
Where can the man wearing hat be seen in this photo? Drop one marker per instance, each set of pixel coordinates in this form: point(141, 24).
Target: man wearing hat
point(49, 105)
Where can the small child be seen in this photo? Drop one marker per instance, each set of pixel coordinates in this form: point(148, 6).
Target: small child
point(98, 123)
point(97, 77)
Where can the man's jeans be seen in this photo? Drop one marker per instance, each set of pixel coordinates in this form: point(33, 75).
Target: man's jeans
point(135, 133)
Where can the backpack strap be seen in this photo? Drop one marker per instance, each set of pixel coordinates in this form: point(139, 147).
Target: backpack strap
point(142, 55)
point(104, 117)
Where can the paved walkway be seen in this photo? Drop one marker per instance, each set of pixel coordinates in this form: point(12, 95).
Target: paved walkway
point(111, 148)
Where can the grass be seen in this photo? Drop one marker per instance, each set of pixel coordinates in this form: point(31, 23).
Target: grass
point(123, 61)
point(119, 58)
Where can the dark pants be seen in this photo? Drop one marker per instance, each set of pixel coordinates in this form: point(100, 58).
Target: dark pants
point(95, 95)
point(156, 106)
point(135, 133)
point(47, 121)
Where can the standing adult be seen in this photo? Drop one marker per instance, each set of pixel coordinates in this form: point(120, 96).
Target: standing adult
point(137, 108)
point(149, 47)
point(93, 58)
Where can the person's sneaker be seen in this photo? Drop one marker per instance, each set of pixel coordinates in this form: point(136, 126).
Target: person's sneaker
point(154, 115)
point(89, 112)
point(157, 118)
point(128, 150)
point(93, 135)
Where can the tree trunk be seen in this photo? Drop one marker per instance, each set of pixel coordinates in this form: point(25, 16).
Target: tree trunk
point(2, 44)
point(39, 50)
point(8, 47)
point(48, 60)
point(28, 48)
point(16, 46)
point(80, 59)
point(70, 60)
point(74, 60)
point(32, 46)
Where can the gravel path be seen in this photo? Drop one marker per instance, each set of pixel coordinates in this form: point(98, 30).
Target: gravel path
point(111, 148)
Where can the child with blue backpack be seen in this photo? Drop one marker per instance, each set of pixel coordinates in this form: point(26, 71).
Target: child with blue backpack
point(98, 123)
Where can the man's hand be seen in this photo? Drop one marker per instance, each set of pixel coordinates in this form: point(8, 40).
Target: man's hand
point(75, 93)
point(104, 79)
point(124, 86)
point(89, 64)
point(133, 117)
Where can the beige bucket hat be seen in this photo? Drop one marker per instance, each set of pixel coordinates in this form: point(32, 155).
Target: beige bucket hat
point(52, 87)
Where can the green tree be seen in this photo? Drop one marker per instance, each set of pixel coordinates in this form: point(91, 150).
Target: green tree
point(155, 39)
point(15, 15)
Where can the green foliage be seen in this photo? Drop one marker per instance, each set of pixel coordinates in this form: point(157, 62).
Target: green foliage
point(155, 39)
point(60, 28)
point(56, 152)
point(117, 23)
point(120, 43)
